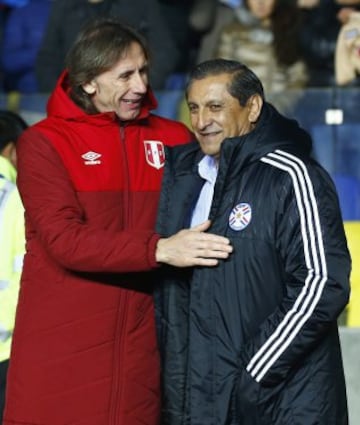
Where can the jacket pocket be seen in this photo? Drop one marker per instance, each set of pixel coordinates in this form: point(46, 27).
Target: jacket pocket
point(252, 404)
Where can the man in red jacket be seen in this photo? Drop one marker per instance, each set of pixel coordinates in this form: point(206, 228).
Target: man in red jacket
point(84, 347)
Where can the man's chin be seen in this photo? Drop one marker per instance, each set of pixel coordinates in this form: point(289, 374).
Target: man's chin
point(128, 115)
point(209, 148)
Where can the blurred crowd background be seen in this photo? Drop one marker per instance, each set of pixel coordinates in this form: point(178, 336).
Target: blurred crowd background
point(288, 43)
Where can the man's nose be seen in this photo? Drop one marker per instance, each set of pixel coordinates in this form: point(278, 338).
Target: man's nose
point(139, 83)
point(203, 119)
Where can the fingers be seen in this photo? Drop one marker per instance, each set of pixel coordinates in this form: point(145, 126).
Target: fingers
point(209, 237)
point(203, 262)
point(214, 251)
point(202, 226)
point(214, 240)
point(208, 245)
point(191, 247)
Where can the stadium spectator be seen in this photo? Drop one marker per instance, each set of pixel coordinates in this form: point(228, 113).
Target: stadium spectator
point(347, 54)
point(12, 238)
point(189, 21)
point(318, 34)
point(68, 16)
point(23, 33)
point(264, 35)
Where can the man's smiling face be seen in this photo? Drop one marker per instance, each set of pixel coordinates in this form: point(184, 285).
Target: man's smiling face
point(215, 114)
point(122, 88)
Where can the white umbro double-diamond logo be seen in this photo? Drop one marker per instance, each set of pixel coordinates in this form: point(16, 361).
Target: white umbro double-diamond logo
point(91, 158)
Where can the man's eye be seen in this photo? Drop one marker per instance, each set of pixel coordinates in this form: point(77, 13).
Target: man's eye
point(144, 70)
point(215, 107)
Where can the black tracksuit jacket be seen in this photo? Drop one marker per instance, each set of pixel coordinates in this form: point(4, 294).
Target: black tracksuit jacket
point(254, 341)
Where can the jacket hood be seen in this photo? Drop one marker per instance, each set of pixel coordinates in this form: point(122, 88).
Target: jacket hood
point(273, 131)
point(62, 106)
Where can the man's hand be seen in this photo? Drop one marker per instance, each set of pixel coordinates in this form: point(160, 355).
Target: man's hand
point(192, 247)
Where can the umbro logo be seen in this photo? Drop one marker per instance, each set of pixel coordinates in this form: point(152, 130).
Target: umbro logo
point(91, 158)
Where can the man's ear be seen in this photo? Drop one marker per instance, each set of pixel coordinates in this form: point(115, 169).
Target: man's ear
point(7, 151)
point(255, 104)
point(89, 88)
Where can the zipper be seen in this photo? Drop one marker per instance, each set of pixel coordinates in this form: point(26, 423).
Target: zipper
point(126, 176)
point(117, 386)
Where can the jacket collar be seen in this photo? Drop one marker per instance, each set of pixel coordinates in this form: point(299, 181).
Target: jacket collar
point(273, 131)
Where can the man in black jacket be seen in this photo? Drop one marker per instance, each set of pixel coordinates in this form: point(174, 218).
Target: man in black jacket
point(255, 339)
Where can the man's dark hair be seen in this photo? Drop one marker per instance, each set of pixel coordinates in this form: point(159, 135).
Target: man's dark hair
point(244, 82)
point(98, 47)
point(11, 127)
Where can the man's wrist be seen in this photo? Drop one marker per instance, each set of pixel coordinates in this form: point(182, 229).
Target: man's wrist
point(159, 251)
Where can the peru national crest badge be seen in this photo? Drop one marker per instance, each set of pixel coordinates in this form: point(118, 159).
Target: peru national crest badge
point(154, 153)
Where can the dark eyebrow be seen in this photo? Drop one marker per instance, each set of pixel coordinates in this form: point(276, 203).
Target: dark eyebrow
point(128, 72)
point(214, 102)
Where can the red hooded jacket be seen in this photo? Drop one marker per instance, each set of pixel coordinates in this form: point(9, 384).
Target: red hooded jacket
point(84, 349)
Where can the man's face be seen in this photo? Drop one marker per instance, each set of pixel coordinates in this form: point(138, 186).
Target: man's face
point(122, 88)
point(261, 9)
point(215, 114)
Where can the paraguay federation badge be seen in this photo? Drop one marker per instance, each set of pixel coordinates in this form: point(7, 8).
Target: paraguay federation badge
point(154, 153)
point(240, 217)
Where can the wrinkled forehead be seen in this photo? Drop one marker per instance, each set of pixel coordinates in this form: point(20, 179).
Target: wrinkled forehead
point(209, 88)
